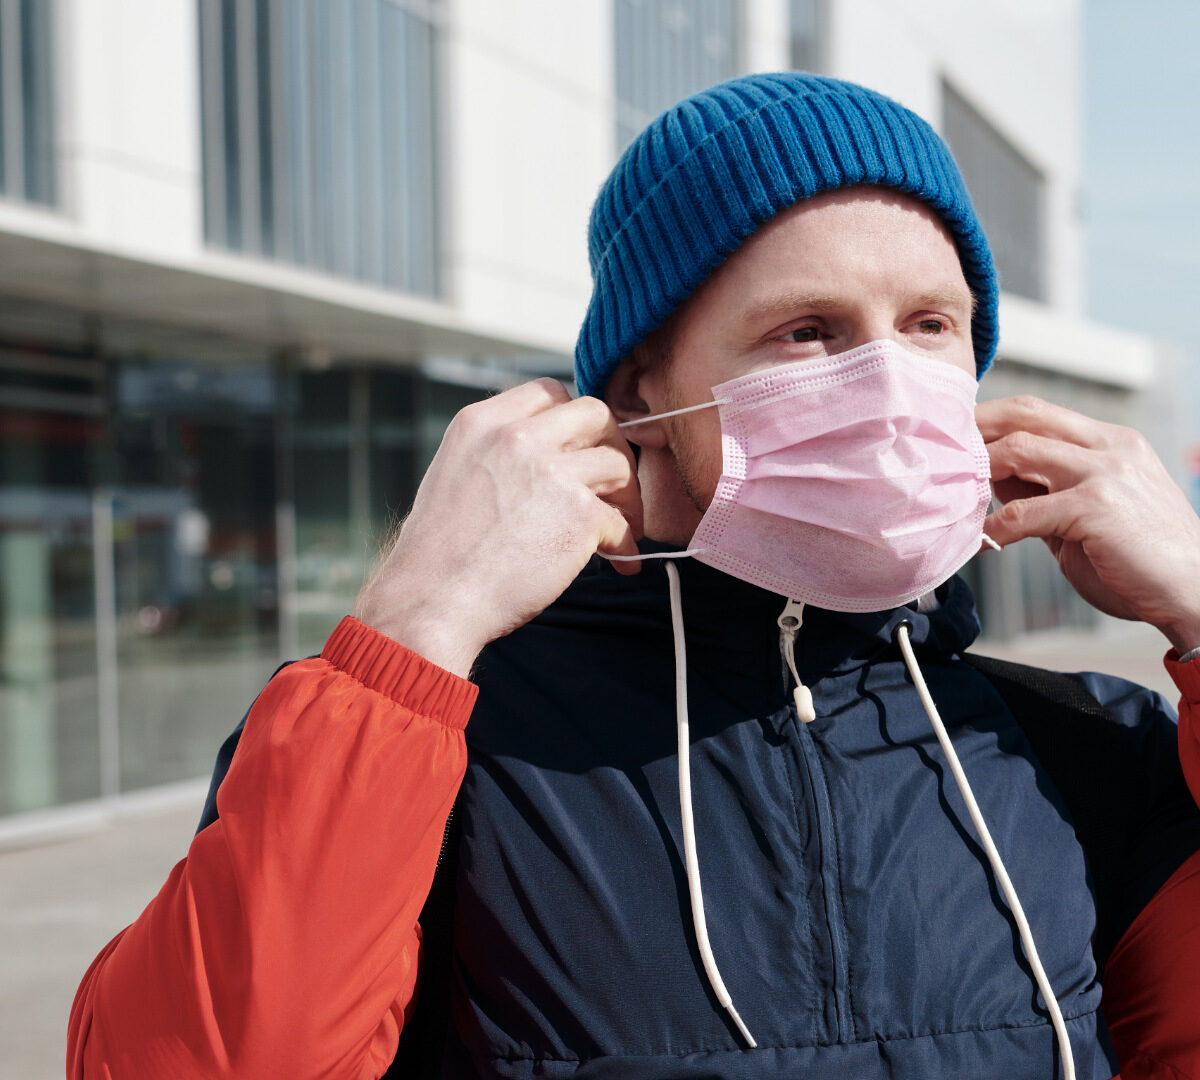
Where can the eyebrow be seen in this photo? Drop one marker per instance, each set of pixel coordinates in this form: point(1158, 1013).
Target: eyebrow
point(789, 303)
point(786, 304)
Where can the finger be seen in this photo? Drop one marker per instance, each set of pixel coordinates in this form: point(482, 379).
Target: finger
point(616, 538)
point(1038, 459)
point(1057, 515)
point(610, 474)
point(583, 422)
point(518, 402)
point(1025, 412)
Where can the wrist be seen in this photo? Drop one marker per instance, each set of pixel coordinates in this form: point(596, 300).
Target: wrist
point(428, 629)
point(1183, 635)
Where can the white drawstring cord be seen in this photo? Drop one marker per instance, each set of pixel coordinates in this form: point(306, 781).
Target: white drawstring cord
point(1002, 878)
point(691, 862)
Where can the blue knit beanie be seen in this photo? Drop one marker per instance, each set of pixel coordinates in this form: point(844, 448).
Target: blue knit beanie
point(703, 176)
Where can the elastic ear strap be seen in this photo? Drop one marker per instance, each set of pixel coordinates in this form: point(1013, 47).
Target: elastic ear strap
point(673, 412)
point(651, 555)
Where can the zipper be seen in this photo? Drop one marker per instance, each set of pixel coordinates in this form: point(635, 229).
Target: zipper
point(790, 621)
point(445, 839)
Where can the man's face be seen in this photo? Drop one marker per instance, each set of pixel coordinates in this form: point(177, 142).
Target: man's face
point(825, 276)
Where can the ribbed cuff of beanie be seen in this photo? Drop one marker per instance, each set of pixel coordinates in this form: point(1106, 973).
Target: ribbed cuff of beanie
point(387, 667)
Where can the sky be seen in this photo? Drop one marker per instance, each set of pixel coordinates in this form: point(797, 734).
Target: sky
point(1142, 174)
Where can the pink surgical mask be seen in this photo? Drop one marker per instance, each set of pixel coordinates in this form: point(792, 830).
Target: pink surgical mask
point(855, 483)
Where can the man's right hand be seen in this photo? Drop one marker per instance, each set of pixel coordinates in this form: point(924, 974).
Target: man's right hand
point(524, 489)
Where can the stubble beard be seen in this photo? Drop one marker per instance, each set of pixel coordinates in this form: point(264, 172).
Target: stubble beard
point(689, 458)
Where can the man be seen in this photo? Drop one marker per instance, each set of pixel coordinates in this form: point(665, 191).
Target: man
point(823, 907)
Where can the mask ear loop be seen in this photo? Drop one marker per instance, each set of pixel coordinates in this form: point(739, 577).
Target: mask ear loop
point(691, 862)
point(660, 554)
point(985, 836)
point(674, 412)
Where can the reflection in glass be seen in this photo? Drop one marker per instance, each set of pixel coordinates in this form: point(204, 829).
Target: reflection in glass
point(356, 437)
point(194, 553)
point(49, 457)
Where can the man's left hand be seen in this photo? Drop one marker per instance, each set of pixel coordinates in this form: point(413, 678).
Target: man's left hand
point(1123, 533)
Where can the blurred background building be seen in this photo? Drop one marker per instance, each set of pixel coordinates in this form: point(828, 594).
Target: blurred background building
point(255, 253)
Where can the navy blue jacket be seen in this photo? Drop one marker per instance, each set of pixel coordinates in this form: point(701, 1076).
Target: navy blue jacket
point(852, 912)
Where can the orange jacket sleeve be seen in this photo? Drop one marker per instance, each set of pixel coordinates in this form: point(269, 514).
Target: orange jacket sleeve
point(286, 943)
point(1152, 981)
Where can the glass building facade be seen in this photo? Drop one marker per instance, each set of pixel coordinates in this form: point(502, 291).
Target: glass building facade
point(175, 518)
point(27, 102)
point(667, 49)
point(320, 135)
point(181, 510)
point(1007, 192)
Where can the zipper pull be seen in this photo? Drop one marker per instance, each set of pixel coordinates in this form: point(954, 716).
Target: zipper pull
point(789, 622)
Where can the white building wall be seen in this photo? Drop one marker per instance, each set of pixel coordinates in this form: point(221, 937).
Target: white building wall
point(130, 125)
point(527, 136)
point(530, 133)
point(530, 122)
point(1017, 63)
point(767, 35)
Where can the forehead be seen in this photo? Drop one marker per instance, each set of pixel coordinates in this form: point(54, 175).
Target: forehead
point(847, 241)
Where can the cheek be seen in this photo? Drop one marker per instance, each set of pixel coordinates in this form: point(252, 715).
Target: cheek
point(964, 358)
point(697, 449)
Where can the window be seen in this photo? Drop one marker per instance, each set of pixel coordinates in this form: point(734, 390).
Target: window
point(1007, 192)
point(320, 143)
point(26, 102)
point(667, 49)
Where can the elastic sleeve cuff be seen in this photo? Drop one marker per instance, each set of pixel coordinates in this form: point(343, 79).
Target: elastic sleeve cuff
point(387, 667)
point(1186, 675)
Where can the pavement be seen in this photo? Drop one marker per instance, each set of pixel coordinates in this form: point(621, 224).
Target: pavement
point(61, 900)
point(65, 890)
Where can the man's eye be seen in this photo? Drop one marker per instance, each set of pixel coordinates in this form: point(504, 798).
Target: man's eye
point(803, 333)
point(931, 326)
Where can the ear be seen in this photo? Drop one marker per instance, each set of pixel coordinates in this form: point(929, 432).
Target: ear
point(623, 395)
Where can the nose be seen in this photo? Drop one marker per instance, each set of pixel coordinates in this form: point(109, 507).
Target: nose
point(872, 327)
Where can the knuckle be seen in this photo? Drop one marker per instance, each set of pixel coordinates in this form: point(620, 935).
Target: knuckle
point(1133, 443)
point(548, 470)
point(1019, 445)
point(1101, 493)
point(593, 409)
point(616, 464)
point(1006, 514)
point(1013, 513)
point(1123, 469)
point(513, 439)
point(1030, 404)
point(552, 388)
point(582, 504)
point(469, 421)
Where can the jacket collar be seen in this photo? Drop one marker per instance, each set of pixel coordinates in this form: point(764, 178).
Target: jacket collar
point(729, 621)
